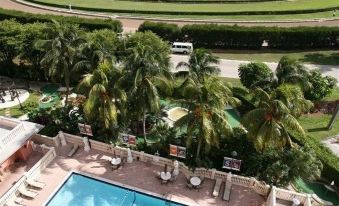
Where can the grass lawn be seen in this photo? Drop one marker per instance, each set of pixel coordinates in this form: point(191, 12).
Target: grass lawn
point(16, 111)
point(323, 57)
point(315, 125)
point(205, 7)
point(333, 96)
point(233, 81)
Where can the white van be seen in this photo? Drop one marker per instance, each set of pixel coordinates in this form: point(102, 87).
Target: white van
point(182, 47)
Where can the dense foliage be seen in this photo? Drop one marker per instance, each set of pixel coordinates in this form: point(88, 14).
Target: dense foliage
point(126, 78)
point(87, 23)
point(255, 74)
point(313, 85)
point(237, 37)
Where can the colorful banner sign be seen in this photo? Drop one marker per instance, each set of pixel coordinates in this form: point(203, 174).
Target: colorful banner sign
point(132, 139)
point(129, 139)
point(232, 164)
point(85, 129)
point(177, 151)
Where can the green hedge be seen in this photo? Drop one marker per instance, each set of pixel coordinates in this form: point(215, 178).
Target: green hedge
point(87, 23)
point(304, 11)
point(330, 161)
point(214, 36)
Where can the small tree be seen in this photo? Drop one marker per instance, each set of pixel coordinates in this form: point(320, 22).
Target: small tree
point(255, 74)
point(322, 86)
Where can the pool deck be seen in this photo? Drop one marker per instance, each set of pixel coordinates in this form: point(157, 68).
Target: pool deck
point(17, 170)
point(139, 175)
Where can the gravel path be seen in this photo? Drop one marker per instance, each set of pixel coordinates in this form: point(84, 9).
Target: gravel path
point(132, 24)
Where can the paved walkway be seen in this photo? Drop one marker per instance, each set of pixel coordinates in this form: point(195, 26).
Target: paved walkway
point(229, 68)
point(132, 24)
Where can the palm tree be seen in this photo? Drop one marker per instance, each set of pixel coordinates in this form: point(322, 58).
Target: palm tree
point(147, 68)
point(206, 120)
point(201, 62)
point(270, 123)
point(61, 51)
point(105, 98)
point(292, 71)
point(205, 97)
point(293, 97)
point(100, 46)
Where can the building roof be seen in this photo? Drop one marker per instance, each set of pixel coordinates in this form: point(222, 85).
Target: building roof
point(13, 135)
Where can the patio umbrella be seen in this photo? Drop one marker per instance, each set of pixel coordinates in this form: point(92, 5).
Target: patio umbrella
point(165, 168)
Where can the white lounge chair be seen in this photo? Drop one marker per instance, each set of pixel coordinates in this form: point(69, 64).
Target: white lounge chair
point(35, 183)
point(227, 192)
point(217, 186)
point(73, 150)
point(27, 193)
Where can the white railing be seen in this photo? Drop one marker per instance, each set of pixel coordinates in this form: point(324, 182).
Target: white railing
point(35, 171)
point(5, 140)
point(287, 195)
point(257, 186)
point(250, 182)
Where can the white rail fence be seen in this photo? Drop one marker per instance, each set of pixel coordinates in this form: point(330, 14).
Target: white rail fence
point(34, 172)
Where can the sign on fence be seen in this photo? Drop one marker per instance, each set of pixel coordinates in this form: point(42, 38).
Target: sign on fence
point(129, 139)
point(232, 164)
point(177, 151)
point(85, 129)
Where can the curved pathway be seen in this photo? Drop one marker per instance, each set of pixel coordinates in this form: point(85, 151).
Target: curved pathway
point(132, 23)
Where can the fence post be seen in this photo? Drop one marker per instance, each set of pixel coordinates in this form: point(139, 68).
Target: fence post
point(213, 173)
point(62, 138)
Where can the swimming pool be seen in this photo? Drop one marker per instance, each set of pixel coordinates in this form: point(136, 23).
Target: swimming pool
point(82, 190)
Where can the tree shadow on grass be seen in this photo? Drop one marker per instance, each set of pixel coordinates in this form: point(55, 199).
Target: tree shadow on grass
point(325, 59)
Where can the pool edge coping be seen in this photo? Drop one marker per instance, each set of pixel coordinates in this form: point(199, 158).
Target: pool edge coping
point(170, 198)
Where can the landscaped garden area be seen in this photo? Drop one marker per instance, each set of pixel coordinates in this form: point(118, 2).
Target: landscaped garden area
point(272, 121)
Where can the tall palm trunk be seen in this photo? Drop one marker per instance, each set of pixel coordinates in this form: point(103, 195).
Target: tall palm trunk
point(144, 125)
point(67, 82)
point(198, 149)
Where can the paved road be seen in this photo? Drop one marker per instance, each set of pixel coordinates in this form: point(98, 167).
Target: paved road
point(133, 24)
point(229, 68)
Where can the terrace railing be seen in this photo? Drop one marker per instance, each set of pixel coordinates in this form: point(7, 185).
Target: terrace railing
point(259, 187)
point(35, 171)
point(7, 139)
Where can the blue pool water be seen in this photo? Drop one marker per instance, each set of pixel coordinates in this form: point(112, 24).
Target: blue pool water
point(79, 190)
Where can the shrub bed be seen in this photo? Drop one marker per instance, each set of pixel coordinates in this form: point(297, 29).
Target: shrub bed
point(330, 162)
point(237, 37)
point(87, 23)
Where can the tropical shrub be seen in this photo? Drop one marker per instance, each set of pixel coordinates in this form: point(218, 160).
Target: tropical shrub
point(321, 86)
point(255, 74)
point(87, 23)
point(280, 167)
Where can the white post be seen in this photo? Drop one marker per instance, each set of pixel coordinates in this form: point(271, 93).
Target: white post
point(176, 168)
point(129, 156)
point(62, 138)
point(87, 148)
point(213, 173)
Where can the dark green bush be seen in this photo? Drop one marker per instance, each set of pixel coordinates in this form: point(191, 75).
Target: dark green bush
point(215, 36)
point(252, 73)
point(330, 162)
point(87, 23)
point(169, 32)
